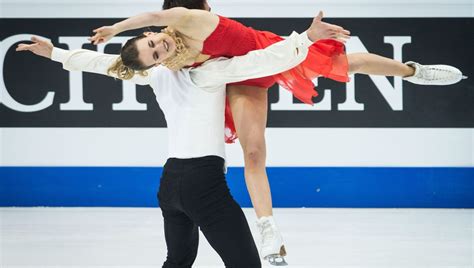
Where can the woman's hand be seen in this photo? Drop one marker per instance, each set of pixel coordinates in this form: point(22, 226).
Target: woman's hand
point(103, 34)
point(39, 47)
point(321, 30)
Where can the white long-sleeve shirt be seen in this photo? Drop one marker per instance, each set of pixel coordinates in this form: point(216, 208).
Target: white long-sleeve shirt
point(193, 99)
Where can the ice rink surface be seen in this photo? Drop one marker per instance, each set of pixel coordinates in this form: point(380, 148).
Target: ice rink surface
point(133, 237)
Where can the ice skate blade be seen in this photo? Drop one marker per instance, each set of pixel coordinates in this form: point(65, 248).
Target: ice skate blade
point(276, 260)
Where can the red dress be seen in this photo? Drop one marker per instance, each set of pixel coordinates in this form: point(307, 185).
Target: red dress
point(325, 58)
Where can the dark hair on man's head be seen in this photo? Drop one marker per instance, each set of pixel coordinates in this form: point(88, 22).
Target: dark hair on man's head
point(189, 4)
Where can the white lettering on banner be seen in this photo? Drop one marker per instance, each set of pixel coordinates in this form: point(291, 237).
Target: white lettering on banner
point(76, 99)
point(397, 42)
point(392, 94)
point(285, 102)
point(351, 104)
point(5, 97)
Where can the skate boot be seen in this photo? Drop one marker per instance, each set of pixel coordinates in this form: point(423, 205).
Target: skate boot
point(436, 75)
point(271, 246)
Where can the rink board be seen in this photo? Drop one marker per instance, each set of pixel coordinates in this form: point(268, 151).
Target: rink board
point(291, 187)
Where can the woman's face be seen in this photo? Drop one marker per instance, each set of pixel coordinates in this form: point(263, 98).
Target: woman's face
point(155, 48)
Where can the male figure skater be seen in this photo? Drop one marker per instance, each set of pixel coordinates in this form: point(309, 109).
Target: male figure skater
point(193, 191)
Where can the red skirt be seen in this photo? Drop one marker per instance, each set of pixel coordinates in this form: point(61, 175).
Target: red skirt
point(325, 58)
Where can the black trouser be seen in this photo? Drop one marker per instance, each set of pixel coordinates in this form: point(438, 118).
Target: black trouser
point(193, 193)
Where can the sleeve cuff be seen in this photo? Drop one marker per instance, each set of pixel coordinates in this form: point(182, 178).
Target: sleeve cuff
point(59, 54)
point(305, 39)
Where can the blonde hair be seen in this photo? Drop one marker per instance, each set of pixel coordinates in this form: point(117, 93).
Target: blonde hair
point(123, 72)
point(183, 56)
point(128, 64)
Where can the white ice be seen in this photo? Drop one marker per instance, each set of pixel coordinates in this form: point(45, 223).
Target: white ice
point(133, 237)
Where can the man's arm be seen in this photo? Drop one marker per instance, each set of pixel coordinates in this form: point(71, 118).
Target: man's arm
point(78, 60)
point(84, 60)
point(274, 59)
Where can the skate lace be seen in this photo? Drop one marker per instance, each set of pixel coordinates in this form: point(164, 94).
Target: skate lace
point(433, 73)
point(266, 230)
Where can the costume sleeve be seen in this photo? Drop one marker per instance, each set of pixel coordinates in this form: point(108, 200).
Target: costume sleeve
point(271, 60)
point(93, 62)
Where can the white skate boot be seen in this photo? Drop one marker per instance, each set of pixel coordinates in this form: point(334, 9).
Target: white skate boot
point(271, 246)
point(436, 75)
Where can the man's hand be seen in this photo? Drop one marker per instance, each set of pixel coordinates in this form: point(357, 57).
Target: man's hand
point(322, 30)
point(40, 47)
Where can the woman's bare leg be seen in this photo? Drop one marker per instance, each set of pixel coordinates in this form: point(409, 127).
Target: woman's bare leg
point(249, 110)
point(368, 63)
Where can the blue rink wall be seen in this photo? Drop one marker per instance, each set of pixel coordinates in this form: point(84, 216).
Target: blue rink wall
point(358, 187)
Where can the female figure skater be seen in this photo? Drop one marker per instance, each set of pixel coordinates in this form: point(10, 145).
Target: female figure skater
point(193, 191)
point(194, 36)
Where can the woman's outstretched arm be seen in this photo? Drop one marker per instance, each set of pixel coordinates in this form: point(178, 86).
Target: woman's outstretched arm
point(274, 59)
point(179, 18)
point(80, 59)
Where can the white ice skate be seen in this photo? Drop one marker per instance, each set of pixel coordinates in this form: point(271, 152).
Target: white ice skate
point(436, 75)
point(271, 246)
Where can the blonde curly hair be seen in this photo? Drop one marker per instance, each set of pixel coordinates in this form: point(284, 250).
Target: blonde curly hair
point(183, 55)
point(128, 65)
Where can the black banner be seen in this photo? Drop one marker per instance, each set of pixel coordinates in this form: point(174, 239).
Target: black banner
point(28, 79)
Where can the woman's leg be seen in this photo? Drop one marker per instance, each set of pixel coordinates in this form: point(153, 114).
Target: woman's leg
point(249, 110)
point(368, 63)
point(440, 75)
